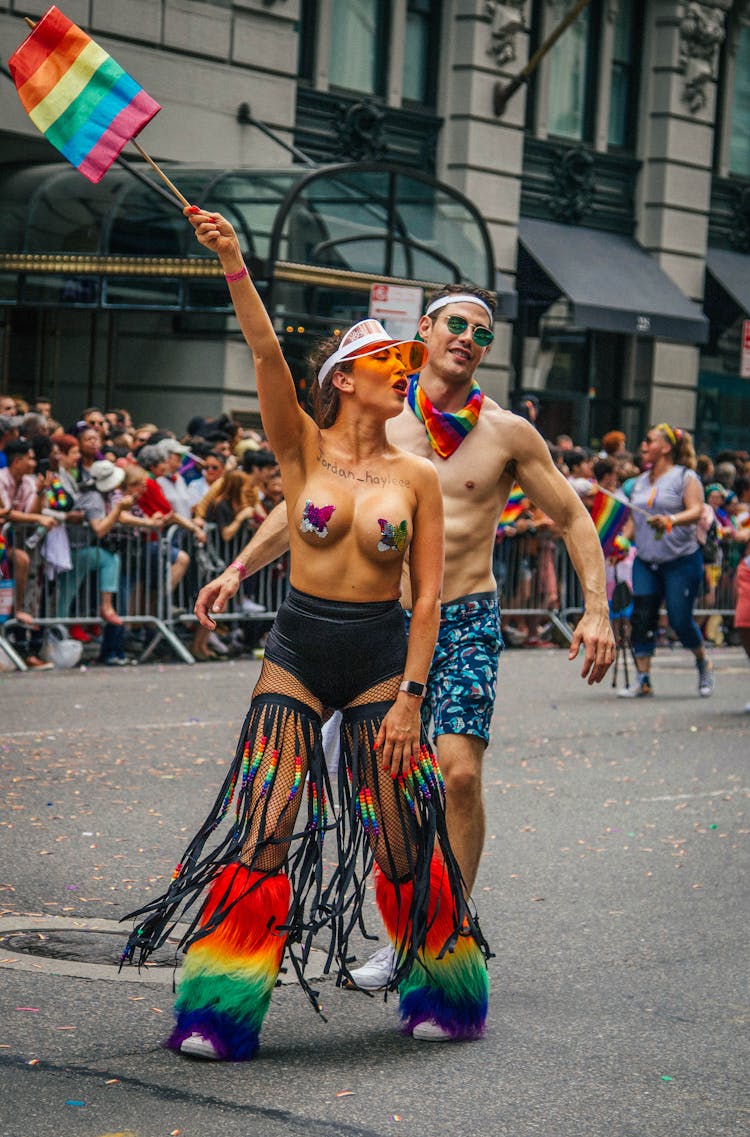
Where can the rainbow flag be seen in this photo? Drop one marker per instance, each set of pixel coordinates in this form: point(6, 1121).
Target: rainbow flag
point(514, 507)
point(77, 95)
point(609, 515)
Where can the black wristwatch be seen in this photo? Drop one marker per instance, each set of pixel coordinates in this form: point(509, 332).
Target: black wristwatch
point(412, 688)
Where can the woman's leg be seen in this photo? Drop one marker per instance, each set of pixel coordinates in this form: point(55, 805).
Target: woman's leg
point(683, 580)
point(231, 968)
point(440, 969)
point(68, 583)
point(647, 597)
point(108, 565)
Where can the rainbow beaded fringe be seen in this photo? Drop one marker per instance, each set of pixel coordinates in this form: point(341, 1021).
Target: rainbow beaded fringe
point(447, 984)
point(229, 974)
point(272, 813)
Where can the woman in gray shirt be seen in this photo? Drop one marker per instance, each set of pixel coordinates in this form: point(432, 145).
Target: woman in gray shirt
point(668, 568)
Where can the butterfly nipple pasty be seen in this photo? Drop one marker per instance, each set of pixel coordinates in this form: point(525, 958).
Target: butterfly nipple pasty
point(391, 536)
point(315, 518)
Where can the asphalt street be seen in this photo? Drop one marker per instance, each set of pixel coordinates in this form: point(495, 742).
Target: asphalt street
point(613, 892)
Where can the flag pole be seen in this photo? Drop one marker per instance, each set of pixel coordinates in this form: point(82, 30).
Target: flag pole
point(180, 197)
point(146, 181)
point(502, 94)
point(635, 508)
point(159, 171)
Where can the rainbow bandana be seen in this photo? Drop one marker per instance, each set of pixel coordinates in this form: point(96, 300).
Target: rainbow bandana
point(446, 431)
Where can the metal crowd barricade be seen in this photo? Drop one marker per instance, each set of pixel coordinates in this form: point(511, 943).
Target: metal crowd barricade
point(717, 598)
point(257, 599)
point(73, 596)
point(534, 574)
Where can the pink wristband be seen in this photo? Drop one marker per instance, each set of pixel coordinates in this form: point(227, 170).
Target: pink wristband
point(233, 277)
point(240, 568)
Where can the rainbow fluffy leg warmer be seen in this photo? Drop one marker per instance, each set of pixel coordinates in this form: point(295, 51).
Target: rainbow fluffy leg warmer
point(229, 975)
point(452, 991)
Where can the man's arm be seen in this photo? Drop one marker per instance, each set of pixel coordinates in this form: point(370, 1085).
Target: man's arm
point(267, 544)
point(548, 489)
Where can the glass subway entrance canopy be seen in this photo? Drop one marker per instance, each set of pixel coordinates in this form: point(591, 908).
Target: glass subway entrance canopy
point(316, 239)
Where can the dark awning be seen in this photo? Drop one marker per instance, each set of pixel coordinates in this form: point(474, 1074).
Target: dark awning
point(732, 272)
point(613, 285)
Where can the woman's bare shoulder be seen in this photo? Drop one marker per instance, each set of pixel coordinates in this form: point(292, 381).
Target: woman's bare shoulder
point(418, 468)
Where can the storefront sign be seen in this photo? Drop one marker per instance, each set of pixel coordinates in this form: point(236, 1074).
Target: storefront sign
point(398, 307)
point(745, 351)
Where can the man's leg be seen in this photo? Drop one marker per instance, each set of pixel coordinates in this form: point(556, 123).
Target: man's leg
point(460, 759)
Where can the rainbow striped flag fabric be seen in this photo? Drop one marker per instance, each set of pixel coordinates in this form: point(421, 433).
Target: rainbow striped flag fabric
point(77, 95)
point(609, 515)
point(514, 507)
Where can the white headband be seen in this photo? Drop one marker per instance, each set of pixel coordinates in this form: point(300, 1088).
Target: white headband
point(459, 298)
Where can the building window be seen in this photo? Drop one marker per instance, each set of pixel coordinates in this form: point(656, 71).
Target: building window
point(569, 82)
point(620, 133)
point(421, 42)
point(307, 39)
point(359, 36)
point(739, 129)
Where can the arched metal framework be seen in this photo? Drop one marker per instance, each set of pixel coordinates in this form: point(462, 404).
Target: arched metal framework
point(117, 245)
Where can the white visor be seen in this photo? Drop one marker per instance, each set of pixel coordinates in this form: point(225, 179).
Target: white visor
point(368, 337)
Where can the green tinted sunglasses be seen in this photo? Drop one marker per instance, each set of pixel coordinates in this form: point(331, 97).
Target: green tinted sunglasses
point(481, 335)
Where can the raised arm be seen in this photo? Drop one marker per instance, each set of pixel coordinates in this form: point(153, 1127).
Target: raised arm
point(267, 544)
point(545, 485)
point(284, 421)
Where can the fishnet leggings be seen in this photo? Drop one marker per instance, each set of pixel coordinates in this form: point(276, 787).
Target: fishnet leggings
point(273, 816)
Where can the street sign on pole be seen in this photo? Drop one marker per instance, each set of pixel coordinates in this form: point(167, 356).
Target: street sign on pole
point(398, 307)
point(745, 351)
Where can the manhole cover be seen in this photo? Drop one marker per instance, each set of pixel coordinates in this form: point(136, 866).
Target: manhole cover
point(80, 946)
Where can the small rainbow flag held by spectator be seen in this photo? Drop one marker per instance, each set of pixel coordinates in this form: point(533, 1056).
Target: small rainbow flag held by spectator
point(514, 507)
point(77, 95)
point(609, 515)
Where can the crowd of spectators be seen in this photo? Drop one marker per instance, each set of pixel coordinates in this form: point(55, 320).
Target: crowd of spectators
point(88, 505)
point(104, 476)
point(526, 545)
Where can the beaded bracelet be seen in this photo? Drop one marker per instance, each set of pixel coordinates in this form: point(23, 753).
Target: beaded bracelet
point(233, 277)
point(240, 568)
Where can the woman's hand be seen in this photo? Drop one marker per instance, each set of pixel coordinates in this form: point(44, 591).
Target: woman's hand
point(216, 233)
point(661, 522)
point(399, 736)
point(213, 597)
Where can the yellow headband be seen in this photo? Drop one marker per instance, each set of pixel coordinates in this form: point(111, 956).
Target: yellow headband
point(666, 429)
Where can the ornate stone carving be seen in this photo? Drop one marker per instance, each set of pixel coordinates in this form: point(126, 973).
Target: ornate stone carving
point(360, 131)
point(701, 33)
point(572, 184)
point(506, 20)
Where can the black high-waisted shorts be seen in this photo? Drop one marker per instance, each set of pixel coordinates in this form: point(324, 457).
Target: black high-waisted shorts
point(337, 649)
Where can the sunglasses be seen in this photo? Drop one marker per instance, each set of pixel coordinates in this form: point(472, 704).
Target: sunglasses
point(481, 335)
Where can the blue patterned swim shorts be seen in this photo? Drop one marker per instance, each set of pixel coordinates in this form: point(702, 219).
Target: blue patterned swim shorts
point(462, 683)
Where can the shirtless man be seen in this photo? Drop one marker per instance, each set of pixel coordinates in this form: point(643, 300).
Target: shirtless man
point(479, 450)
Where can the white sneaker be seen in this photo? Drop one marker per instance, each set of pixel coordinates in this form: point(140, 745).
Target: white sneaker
point(217, 643)
point(430, 1031)
point(706, 681)
point(377, 972)
point(248, 605)
point(641, 689)
point(199, 1047)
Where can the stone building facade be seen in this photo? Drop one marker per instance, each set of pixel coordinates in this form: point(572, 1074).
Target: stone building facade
point(614, 186)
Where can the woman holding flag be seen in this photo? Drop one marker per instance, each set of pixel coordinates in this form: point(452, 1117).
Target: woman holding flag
point(356, 503)
point(666, 502)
